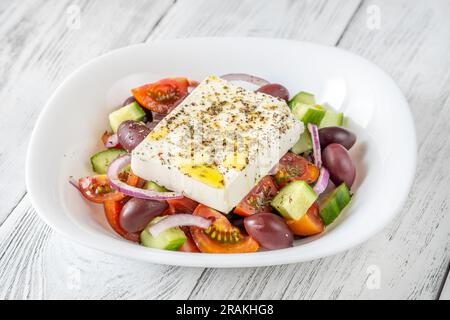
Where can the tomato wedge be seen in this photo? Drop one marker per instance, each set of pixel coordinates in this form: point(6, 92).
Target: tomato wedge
point(105, 136)
point(221, 236)
point(258, 199)
point(162, 95)
point(183, 205)
point(189, 245)
point(294, 167)
point(112, 212)
point(309, 224)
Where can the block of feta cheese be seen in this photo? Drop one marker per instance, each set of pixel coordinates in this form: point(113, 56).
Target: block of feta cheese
point(217, 144)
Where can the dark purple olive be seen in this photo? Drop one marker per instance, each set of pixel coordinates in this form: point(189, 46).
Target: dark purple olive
point(275, 90)
point(131, 133)
point(137, 213)
point(148, 113)
point(339, 135)
point(269, 230)
point(338, 162)
point(128, 101)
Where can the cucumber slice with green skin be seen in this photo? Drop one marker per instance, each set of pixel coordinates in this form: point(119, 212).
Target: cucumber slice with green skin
point(334, 204)
point(332, 119)
point(303, 144)
point(101, 160)
point(132, 111)
point(294, 200)
point(308, 114)
point(150, 185)
point(170, 239)
point(302, 97)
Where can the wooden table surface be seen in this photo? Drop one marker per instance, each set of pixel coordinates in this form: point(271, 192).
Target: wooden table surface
point(42, 42)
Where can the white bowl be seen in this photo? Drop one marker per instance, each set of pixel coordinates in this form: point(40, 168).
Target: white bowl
point(68, 130)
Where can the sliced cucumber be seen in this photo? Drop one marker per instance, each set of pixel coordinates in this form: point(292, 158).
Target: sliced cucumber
point(294, 200)
point(170, 239)
point(332, 119)
point(308, 114)
point(150, 185)
point(303, 144)
point(132, 111)
point(334, 204)
point(304, 98)
point(101, 160)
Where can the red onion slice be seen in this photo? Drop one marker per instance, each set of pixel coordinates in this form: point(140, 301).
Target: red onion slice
point(322, 181)
point(316, 144)
point(178, 220)
point(74, 183)
point(245, 77)
point(113, 141)
point(113, 175)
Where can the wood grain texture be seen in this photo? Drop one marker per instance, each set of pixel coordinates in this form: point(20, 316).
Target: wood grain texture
point(51, 267)
point(318, 21)
point(412, 254)
point(37, 263)
point(38, 49)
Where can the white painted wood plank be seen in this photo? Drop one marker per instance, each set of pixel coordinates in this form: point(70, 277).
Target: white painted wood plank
point(38, 50)
point(412, 253)
point(318, 21)
point(37, 263)
point(38, 278)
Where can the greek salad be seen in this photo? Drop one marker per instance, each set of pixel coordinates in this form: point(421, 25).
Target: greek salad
point(215, 167)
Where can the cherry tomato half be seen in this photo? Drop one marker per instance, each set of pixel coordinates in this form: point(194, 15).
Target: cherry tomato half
point(105, 136)
point(258, 199)
point(112, 212)
point(309, 224)
point(184, 205)
point(97, 189)
point(162, 95)
point(221, 236)
point(294, 167)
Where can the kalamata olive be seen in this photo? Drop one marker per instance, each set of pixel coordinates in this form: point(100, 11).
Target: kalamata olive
point(275, 90)
point(148, 113)
point(131, 133)
point(137, 213)
point(128, 101)
point(338, 162)
point(339, 135)
point(269, 230)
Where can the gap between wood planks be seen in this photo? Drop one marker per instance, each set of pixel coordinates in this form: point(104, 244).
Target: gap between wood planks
point(446, 280)
point(161, 18)
point(349, 23)
point(145, 38)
